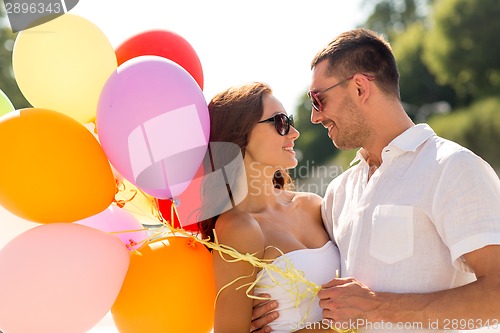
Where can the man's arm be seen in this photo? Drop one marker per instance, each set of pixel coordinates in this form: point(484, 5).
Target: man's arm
point(467, 307)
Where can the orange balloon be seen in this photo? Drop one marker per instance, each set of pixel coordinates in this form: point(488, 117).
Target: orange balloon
point(170, 288)
point(52, 169)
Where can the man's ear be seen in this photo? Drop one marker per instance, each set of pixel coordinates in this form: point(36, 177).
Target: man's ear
point(363, 88)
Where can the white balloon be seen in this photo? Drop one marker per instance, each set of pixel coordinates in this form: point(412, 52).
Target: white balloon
point(12, 225)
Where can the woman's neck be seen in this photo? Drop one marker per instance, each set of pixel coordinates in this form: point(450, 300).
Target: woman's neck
point(261, 194)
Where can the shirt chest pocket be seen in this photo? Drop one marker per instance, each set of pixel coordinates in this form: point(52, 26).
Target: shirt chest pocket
point(392, 233)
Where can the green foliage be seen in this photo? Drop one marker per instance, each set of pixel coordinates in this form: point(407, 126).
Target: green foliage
point(460, 48)
point(344, 158)
point(405, 24)
point(7, 82)
point(418, 85)
point(391, 17)
point(476, 127)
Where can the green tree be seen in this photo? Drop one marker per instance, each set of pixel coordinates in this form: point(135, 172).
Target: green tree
point(460, 49)
point(476, 127)
point(405, 25)
point(418, 85)
point(391, 17)
point(7, 82)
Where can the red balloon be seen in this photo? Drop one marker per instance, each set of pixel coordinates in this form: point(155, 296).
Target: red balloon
point(165, 208)
point(164, 44)
point(189, 204)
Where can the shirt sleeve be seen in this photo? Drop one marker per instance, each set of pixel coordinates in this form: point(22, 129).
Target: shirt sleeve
point(466, 205)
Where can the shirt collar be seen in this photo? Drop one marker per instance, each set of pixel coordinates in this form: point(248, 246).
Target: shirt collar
point(412, 138)
point(409, 140)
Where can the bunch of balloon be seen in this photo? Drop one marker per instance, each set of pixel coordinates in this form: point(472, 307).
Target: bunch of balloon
point(66, 276)
point(153, 124)
point(166, 44)
point(54, 172)
point(62, 65)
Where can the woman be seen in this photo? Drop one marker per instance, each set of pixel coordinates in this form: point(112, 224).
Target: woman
point(270, 217)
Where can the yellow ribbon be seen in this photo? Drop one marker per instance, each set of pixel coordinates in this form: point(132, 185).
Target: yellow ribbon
point(294, 277)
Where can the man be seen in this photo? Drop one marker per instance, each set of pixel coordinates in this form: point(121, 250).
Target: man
point(417, 219)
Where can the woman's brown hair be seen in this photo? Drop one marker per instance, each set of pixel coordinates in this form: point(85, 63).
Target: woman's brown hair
point(233, 114)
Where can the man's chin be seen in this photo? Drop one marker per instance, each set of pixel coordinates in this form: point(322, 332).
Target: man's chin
point(343, 146)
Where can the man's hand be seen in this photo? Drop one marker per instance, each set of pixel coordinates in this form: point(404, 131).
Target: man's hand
point(348, 303)
point(263, 313)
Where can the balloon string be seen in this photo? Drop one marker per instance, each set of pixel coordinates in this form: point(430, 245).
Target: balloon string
point(120, 187)
point(296, 283)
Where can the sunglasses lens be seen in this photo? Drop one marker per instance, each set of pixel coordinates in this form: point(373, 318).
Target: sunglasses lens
point(281, 123)
point(316, 104)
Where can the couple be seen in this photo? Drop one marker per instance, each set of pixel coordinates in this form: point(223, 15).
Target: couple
point(413, 227)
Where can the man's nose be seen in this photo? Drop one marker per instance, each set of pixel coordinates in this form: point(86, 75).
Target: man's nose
point(316, 116)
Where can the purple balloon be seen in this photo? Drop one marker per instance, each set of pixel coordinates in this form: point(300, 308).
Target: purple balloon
point(153, 124)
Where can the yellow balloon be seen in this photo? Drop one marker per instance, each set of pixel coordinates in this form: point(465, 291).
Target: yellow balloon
point(63, 65)
point(52, 169)
point(169, 288)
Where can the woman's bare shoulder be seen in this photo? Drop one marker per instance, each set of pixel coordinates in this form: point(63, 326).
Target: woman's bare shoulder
point(308, 200)
point(239, 230)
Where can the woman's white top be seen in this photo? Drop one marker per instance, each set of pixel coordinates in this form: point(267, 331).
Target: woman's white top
point(318, 266)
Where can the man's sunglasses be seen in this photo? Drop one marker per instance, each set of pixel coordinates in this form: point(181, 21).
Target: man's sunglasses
point(314, 96)
point(281, 121)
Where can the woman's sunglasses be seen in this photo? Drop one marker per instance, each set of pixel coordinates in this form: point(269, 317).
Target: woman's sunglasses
point(281, 121)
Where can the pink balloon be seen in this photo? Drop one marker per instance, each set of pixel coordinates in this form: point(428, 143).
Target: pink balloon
point(59, 278)
point(116, 220)
point(153, 124)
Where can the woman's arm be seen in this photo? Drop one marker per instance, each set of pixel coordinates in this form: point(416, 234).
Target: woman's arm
point(233, 309)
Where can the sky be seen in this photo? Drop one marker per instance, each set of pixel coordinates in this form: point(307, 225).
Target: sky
point(237, 41)
point(271, 41)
